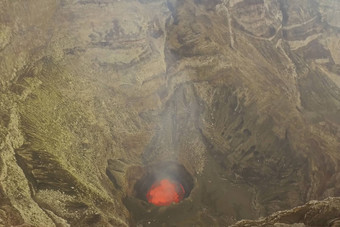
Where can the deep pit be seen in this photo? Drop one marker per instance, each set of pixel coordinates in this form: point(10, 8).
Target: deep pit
point(165, 192)
point(164, 184)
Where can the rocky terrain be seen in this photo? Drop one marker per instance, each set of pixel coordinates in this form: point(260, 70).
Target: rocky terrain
point(244, 94)
point(314, 213)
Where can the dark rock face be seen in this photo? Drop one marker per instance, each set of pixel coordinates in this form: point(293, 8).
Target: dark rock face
point(244, 94)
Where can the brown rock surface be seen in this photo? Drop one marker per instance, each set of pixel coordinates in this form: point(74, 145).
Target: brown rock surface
point(314, 213)
point(244, 94)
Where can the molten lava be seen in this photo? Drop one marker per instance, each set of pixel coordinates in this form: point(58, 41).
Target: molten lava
point(165, 192)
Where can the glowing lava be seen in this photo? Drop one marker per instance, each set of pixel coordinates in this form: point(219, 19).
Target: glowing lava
point(165, 192)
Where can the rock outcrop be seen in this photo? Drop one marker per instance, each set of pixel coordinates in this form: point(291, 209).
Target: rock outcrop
point(314, 213)
point(244, 94)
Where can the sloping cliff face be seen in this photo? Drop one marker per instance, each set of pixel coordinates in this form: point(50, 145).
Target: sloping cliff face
point(244, 94)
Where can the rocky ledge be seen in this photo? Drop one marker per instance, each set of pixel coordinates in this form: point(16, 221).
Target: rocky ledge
point(314, 213)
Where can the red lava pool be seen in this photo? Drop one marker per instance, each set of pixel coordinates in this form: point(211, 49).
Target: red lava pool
point(165, 192)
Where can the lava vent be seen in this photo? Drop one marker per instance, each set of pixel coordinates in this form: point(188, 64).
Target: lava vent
point(164, 184)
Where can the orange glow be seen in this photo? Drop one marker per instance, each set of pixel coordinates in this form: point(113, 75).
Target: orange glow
point(165, 192)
